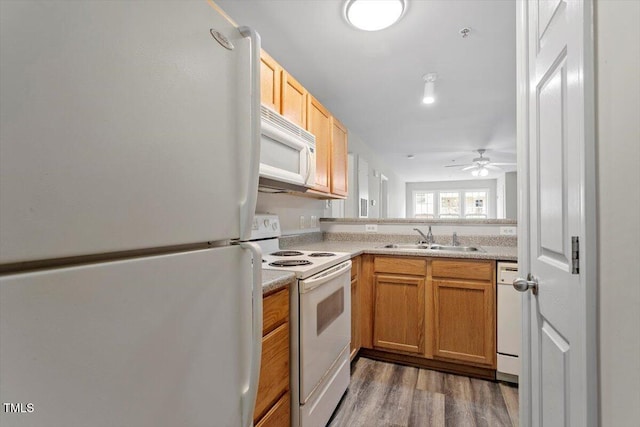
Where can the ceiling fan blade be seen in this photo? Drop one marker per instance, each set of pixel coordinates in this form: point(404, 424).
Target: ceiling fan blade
point(470, 167)
point(504, 164)
point(492, 167)
point(459, 166)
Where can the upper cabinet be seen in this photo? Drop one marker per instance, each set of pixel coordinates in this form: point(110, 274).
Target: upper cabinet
point(339, 159)
point(270, 79)
point(319, 124)
point(294, 100)
point(284, 94)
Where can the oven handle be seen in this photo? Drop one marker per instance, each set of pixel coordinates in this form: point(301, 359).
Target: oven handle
point(332, 273)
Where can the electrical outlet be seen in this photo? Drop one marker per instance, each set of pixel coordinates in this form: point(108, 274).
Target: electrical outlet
point(372, 228)
point(303, 222)
point(508, 231)
point(314, 221)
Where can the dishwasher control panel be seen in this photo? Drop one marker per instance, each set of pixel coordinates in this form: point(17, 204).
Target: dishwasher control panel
point(507, 272)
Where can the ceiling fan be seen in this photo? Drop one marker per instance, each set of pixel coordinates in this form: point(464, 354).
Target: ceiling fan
point(480, 165)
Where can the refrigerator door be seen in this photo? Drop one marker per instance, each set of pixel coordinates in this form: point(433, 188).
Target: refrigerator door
point(124, 125)
point(157, 341)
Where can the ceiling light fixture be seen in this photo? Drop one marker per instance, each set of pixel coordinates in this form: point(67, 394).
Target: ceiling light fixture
point(374, 15)
point(429, 96)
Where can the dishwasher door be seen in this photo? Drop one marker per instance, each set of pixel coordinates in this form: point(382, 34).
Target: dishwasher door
point(509, 322)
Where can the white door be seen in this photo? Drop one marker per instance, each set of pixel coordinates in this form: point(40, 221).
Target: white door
point(158, 341)
point(556, 143)
point(121, 127)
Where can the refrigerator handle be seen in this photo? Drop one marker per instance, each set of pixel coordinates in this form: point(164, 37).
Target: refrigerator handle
point(250, 394)
point(248, 206)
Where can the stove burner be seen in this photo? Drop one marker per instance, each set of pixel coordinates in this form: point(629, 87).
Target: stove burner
point(319, 254)
point(287, 253)
point(290, 263)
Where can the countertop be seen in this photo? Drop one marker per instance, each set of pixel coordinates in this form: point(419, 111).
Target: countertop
point(505, 253)
point(275, 280)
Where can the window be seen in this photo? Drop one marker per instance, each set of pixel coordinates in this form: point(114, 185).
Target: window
point(423, 205)
point(449, 205)
point(475, 204)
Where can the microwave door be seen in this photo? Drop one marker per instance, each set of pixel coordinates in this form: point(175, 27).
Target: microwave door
point(283, 157)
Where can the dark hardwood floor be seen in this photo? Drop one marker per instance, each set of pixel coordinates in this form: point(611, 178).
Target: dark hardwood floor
point(389, 395)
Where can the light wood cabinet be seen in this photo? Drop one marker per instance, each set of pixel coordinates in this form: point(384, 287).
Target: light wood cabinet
point(272, 403)
point(293, 100)
point(437, 310)
point(464, 311)
point(270, 79)
point(280, 91)
point(319, 124)
point(339, 159)
point(355, 307)
point(399, 304)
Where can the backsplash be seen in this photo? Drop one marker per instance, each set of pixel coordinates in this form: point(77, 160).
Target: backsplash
point(464, 240)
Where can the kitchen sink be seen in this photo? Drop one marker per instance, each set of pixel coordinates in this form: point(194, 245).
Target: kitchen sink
point(455, 248)
point(406, 246)
point(433, 247)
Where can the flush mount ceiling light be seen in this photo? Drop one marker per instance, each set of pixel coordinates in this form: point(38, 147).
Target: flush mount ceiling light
point(373, 15)
point(429, 96)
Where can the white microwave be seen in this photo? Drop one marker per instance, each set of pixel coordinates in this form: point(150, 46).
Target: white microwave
point(287, 154)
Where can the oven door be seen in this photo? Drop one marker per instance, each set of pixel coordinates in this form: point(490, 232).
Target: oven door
point(325, 324)
point(284, 157)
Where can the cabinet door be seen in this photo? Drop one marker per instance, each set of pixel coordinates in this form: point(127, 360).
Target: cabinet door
point(319, 124)
point(338, 158)
point(270, 75)
point(398, 317)
point(464, 325)
point(293, 100)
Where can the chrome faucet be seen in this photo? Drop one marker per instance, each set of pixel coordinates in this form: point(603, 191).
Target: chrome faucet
point(455, 239)
point(428, 239)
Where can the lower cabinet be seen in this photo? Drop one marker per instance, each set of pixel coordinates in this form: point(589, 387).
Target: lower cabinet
point(399, 304)
point(464, 311)
point(273, 402)
point(438, 310)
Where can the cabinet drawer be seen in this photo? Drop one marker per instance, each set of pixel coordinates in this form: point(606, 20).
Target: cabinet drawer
point(275, 310)
point(355, 267)
point(274, 369)
point(459, 269)
point(279, 415)
point(400, 265)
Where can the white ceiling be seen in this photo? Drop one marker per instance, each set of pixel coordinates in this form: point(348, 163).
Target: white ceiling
point(373, 82)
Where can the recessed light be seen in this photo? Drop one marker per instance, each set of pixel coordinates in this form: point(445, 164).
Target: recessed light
point(411, 156)
point(373, 15)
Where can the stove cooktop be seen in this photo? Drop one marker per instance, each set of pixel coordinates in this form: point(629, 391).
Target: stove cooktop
point(305, 264)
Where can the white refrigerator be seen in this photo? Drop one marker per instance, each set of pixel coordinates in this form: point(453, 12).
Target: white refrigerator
point(129, 145)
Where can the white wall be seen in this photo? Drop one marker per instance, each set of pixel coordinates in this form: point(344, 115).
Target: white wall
point(289, 208)
point(618, 145)
point(452, 185)
point(377, 166)
point(500, 202)
point(510, 195)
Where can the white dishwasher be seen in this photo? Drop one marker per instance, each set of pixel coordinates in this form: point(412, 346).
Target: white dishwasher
point(509, 323)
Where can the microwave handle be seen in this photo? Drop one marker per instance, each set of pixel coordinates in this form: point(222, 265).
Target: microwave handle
point(306, 179)
point(248, 206)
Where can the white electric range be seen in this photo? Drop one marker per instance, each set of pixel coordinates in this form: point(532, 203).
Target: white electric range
point(320, 322)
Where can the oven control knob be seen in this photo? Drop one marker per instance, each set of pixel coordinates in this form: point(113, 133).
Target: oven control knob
point(274, 226)
point(266, 223)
